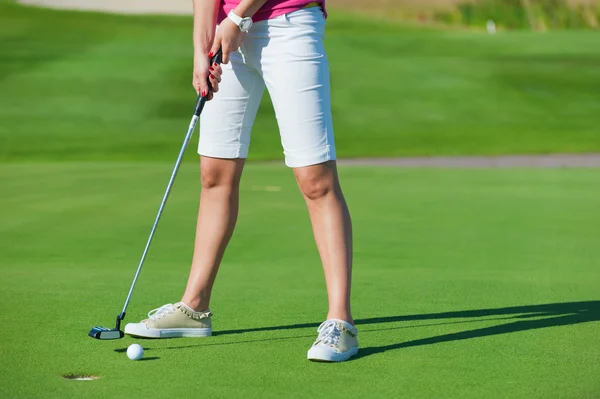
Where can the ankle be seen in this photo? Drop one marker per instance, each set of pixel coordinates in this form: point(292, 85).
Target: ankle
point(346, 316)
point(196, 304)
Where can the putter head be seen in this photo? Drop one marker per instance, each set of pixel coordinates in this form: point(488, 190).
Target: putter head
point(106, 333)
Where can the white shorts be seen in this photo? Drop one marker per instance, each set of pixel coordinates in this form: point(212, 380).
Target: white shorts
point(286, 55)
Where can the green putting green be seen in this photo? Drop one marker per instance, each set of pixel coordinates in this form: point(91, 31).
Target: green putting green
point(467, 284)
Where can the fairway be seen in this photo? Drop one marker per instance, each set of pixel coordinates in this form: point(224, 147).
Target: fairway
point(107, 87)
point(467, 284)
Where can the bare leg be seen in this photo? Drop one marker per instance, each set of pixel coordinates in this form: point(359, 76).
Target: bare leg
point(332, 229)
point(217, 216)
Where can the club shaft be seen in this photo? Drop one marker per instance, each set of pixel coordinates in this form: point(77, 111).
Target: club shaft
point(186, 141)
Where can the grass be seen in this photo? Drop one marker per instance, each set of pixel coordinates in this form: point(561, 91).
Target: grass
point(467, 284)
point(106, 87)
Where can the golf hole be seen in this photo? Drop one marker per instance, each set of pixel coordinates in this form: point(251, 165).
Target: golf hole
point(80, 377)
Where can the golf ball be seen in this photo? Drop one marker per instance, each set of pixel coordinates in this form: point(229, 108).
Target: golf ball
point(135, 352)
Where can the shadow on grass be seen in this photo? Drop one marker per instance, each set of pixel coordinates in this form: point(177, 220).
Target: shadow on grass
point(513, 319)
point(241, 342)
point(516, 318)
point(124, 350)
point(552, 315)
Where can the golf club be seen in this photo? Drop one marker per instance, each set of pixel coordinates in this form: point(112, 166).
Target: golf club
point(106, 333)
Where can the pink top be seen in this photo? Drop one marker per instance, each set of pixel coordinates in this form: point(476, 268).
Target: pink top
point(271, 9)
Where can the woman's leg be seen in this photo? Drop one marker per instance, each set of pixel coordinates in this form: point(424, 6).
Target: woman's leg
point(216, 220)
point(225, 127)
point(217, 216)
point(296, 73)
point(332, 229)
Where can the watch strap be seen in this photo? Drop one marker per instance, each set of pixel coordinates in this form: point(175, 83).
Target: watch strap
point(235, 18)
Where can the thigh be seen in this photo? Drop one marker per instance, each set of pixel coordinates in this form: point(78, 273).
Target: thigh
point(296, 72)
point(227, 119)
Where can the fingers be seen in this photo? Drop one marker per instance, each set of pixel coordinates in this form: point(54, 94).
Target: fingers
point(200, 73)
point(231, 46)
point(216, 45)
point(205, 91)
point(216, 70)
point(202, 87)
point(215, 73)
point(195, 85)
point(214, 84)
point(226, 46)
point(214, 77)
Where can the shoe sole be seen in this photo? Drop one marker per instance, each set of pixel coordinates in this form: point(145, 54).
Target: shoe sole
point(167, 332)
point(317, 354)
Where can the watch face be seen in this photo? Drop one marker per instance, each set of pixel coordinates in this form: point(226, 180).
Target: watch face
point(246, 24)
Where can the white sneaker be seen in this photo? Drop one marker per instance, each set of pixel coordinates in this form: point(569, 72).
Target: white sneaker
point(336, 342)
point(172, 321)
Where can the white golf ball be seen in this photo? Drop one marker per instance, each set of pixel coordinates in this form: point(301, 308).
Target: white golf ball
point(135, 352)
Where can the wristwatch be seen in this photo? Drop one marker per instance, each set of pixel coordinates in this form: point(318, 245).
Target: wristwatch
point(243, 23)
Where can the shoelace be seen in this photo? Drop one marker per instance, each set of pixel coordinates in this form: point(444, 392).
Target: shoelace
point(159, 313)
point(329, 333)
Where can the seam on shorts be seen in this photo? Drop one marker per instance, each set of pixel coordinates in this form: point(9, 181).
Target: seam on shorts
point(328, 92)
point(244, 118)
point(327, 130)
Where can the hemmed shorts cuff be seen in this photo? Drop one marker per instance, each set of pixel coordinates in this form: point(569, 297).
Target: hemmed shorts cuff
point(300, 160)
point(226, 152)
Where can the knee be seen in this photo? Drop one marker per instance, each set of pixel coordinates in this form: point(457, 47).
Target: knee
point(213, 175)
point(210, 178)
point(315, 188)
